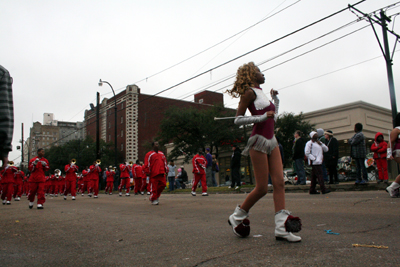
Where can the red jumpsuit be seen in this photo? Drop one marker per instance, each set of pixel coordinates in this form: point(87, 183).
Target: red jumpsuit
point(380, 153)
point(199, 164)
point(155, 165)
point(26, 186)
point(7, 182)
point(80, 183)
point(37, 179)
point(110, 181)
point(138, 175)
point(94, 179)
point(86, 181)
point(70, 179)
point(18, 183)
point(125, 177)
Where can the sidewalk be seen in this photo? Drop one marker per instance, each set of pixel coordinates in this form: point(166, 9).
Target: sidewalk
point(341, 187)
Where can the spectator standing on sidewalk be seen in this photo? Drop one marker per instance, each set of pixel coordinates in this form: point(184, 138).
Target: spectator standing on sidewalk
point(331, 157)
point(235, 166)
point(321, 137)
point(314, 151)
point(298, 158)
point(171, 175)
point(209, 168)
point(379, 147)
point(215, 169)
point(359, 152)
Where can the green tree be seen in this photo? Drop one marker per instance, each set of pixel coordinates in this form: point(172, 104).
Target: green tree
point(285, 127)
point(84, 151)
point(190, 129)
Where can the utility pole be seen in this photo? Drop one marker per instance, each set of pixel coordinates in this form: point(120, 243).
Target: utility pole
point(22, 147)
point(385, 51)
point(98, 126)
point(389, 64)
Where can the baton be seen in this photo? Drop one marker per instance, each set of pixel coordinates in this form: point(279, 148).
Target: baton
point(229, 118)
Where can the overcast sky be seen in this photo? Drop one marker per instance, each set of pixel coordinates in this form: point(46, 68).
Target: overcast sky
point(57, 50)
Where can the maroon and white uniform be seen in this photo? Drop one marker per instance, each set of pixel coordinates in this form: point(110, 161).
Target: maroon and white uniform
point(125, 178)
point(199, 165)
point(37, 166)
point(155, 165)
point(70, 179)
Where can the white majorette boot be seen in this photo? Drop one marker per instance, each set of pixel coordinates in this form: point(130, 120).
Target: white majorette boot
point(239, 222)
point(393, 189)
point(285, 224)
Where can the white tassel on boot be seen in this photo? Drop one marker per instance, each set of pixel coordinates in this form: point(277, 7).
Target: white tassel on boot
point(284, 225)
point(239, 222)
point(392, 189)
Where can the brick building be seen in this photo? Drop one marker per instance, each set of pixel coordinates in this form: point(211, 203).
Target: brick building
point(138, 118)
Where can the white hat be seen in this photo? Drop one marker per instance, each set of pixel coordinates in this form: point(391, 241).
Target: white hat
point(312, 134)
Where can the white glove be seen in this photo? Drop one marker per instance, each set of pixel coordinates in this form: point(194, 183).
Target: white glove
point(241, 120)
point(44, 164)
point(389, 152)
point(36, 161)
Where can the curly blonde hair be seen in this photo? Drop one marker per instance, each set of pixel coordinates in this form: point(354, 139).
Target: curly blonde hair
point(245, 77)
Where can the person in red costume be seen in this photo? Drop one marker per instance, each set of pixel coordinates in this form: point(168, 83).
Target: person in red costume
point(379, 147)
point(94, 179)
point(125, 178)
point(38, 165)
point(7, 181)
point(110, 174)
point(70, 179)
point(18, 184)
point(86, 180)
point(26, 185)
point(138, 175)
point(80, 183)
point(155, 166)
point(199, 165)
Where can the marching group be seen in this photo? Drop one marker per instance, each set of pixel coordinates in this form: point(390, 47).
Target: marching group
point(150, 176)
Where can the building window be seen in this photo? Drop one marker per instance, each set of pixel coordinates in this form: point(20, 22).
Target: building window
point(122, 105)
point(122, 119)
point(201, 101)
point(109, 125)
point(109, 137)
point(47, 132)
point(122, 147)
point(122, 133)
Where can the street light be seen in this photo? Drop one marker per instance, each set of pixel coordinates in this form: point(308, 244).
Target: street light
point(115, 120)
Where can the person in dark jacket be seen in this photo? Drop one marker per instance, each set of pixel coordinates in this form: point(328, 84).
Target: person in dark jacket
point(235, 166)
point(298, 158)
point(359, 152)
point(331, 157)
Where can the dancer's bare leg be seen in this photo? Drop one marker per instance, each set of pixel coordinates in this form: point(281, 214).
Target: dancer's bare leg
point(276, 171)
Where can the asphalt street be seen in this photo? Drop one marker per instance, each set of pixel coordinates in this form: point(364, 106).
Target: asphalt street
point(193, 231)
